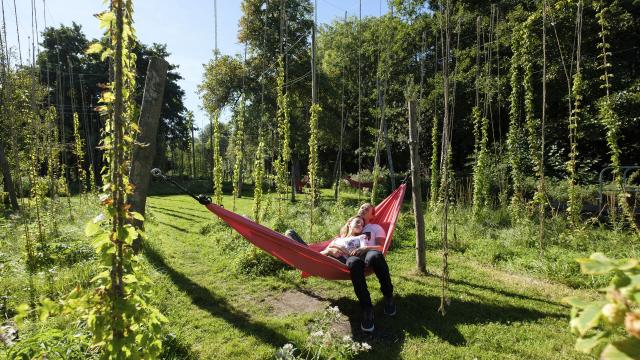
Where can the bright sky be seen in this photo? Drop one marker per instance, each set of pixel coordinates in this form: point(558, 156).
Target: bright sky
point(186, 26)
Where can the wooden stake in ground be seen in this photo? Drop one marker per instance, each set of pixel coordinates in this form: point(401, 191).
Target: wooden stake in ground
point(148, 122)
point(416, 190)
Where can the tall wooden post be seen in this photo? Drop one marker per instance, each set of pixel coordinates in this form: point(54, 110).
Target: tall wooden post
point(416, 191)
point(142, 160)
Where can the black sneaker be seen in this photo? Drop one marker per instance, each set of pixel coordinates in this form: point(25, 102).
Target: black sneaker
point(389, 306)
point(367, 320)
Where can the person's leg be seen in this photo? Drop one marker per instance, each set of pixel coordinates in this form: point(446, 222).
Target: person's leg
point(293, 235)
point(356, 265)
point(376, 260)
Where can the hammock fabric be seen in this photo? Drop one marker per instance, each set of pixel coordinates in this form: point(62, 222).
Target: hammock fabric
point(308, 258)
point(301, 184)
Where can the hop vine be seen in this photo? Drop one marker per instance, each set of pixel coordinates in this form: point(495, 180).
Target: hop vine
point(79, 153)
point(238, 146)
point(217, 160)
point(117, 311)
point(258, 178)
point(313, 161)
point(282, 115)
point(607, 114)
point(480, 171)
point(515, 137)
point(435, 141)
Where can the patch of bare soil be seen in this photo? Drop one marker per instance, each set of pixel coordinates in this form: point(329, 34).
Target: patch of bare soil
point(294, 302)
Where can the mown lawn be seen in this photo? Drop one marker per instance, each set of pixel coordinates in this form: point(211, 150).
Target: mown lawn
point(216, 311)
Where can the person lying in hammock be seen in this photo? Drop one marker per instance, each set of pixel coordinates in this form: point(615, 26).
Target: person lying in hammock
point(350, 242)
point(361, 257)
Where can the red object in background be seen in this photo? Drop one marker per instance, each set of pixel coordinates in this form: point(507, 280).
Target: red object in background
point(301, 184)
point(308, 258)
point(357, 184)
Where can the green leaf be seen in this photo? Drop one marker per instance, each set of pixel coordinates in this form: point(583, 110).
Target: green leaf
point(576, 301)
point(589, 317)
point(94, 48)
point(102, 275)
point(596, 264)
point(626, 264)
point(136, 215)
point(92, 229)
point(627, 349)
point(587, 343)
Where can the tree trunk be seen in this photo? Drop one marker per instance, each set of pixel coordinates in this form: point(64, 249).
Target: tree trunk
point(8, 181)
point(149, 117)
point(415, 187)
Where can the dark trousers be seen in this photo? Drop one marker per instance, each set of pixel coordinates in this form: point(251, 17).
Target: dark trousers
point(374, 259)
point(293, 235)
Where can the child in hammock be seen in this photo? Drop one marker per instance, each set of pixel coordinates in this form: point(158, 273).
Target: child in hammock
point(351, 239)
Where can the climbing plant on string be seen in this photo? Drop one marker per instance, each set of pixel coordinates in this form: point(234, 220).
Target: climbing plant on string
point(78, 152)
point(217, 160)
point(607, 114)
point(573, 203)
point(434, 186)
point(117, 311)
point(313, 160)
point(52, 155)
point(516, 138)
point(239, 154)
point(532, 122)
point(258, 177)
point(481, 137)
point(282, 117)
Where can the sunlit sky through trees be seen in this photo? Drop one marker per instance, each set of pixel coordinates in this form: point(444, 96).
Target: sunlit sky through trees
point(187, 27)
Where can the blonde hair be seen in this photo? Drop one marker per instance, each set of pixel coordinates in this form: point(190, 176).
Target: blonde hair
point(363, 209)
point(344, 231)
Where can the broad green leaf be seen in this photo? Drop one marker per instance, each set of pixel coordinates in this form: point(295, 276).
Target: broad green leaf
point(102, 275)
point(137, 215)
point(589, 317)
point(94, 48)
point(626, 264)
point(92, 229)
point(627, 349)
point(597, 264)
point(106, 18)
point(576, 301)
point(129, 279)
point(587, 343)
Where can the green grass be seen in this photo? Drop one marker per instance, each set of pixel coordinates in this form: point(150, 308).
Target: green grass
point(221, 295)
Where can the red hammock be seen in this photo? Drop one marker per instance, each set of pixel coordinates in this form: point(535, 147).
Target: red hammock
point(301, 184)
point(308, 259)
point(358, 184)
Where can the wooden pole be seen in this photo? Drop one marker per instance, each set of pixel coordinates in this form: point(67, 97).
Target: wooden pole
point(142, 160)
point(416, 190)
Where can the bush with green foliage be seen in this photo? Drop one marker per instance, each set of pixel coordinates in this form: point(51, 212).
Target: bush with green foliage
point(609, 328)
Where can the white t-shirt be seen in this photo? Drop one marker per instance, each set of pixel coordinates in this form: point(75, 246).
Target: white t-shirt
point(376, 232)
point(351, 243)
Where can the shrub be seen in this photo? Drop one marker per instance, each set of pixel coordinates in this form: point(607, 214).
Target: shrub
point(256, 262)
point(53, 344)
point(609, 328)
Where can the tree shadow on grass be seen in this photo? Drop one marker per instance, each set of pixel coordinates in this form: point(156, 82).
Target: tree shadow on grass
point(178, 214)
point(418, 317)
point(214, 304)
point(181, 229)
point(486, 288)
